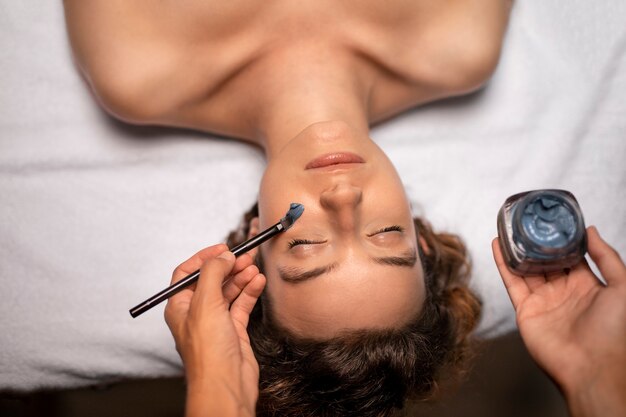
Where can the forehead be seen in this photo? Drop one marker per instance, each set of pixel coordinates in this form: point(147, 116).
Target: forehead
point(351, 296)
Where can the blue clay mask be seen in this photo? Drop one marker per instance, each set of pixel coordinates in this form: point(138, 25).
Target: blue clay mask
point(549, 222)
point(541, 231)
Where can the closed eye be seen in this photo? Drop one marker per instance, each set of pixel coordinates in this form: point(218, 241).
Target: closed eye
point(394, 228)
point(295, 242)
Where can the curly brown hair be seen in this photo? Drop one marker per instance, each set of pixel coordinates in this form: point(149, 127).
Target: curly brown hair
point(369, 372)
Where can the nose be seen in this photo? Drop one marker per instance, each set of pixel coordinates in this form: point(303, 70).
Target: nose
point(342, 201)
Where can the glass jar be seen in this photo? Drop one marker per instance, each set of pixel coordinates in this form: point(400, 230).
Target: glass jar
point(541, 231)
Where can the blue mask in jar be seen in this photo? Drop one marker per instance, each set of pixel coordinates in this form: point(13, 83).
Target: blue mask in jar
point(541, 231)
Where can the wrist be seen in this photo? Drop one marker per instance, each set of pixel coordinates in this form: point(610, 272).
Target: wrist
point(218, 396)
point(207, 372)
point(598, 393)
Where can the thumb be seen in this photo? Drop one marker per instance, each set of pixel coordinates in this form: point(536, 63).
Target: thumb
point(212, 275)
point(606, 258)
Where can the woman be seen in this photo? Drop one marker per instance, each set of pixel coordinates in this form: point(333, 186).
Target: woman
point(356, 288)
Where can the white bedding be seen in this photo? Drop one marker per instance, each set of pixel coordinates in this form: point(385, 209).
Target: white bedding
point(94, 215)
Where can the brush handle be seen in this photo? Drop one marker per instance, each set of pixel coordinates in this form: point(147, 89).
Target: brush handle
point(165, 294)
point(193, 277)
point(257, 240)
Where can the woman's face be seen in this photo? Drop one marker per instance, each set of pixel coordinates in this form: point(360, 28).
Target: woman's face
point(351, 260)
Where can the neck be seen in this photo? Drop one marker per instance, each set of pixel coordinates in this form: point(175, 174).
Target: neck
point(305, 96)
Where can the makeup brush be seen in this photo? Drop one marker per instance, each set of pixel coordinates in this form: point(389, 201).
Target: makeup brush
point(295, 211)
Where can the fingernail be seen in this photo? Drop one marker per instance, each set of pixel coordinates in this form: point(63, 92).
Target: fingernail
point(227, 256)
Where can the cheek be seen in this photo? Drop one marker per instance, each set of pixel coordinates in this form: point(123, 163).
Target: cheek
point(274, 290)
point(302, 310)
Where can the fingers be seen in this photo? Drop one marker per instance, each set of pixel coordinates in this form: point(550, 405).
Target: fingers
point(177, 305)
point(606, 258)
point(242, 262)
point(195, 262)
point(242, 307)
point(233, 287)
point(177, 308)
point(516, 286)
point(212, 275)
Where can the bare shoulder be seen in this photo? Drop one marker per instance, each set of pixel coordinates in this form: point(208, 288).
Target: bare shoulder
point(119, 51)
point(145, 58)
point(458, 46)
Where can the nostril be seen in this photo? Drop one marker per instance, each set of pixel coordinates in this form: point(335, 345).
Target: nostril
point(341, 196)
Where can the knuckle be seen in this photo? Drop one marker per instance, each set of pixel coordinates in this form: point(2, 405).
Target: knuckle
point(214, 266)
point(614, 253)
point(178, 272)
point(608, 253)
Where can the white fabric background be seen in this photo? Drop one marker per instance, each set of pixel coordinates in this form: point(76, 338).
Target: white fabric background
point(94, 214)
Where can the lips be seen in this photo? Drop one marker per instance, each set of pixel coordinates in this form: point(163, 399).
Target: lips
point(337, 158)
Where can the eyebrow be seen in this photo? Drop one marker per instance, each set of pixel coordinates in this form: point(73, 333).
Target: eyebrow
point(407, 259)
point(295, 275)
